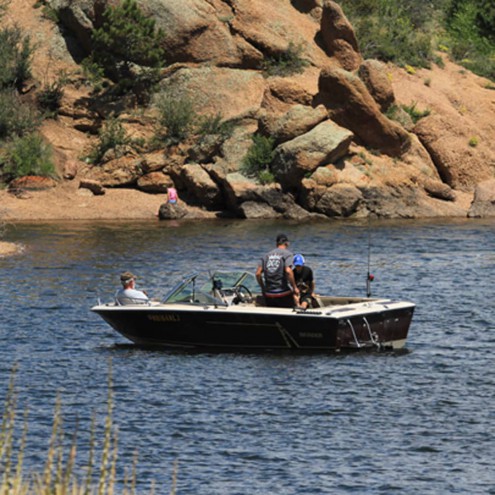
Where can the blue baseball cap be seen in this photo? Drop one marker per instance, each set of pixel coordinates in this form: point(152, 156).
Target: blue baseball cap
point(298, 260)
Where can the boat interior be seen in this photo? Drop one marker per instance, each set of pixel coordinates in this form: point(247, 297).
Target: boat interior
point(232, 289)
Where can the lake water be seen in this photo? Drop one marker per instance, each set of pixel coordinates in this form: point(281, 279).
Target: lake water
point(415, 422)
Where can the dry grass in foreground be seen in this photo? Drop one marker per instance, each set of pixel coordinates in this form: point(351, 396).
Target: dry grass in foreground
point(58, 477)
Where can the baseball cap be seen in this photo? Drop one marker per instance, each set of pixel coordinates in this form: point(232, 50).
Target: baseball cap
point(126, 276)
point(298, 260)
point(282, 239)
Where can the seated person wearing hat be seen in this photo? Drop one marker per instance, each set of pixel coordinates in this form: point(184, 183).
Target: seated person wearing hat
point(305, 282)
point(128, 294)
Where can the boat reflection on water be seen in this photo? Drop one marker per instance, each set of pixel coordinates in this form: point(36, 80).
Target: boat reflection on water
point(225, 311)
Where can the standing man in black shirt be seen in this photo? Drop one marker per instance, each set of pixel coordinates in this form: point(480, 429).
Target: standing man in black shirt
point(275, 275)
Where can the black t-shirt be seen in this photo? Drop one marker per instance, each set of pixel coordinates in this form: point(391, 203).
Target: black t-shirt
point(274, 264)
point(304, 279)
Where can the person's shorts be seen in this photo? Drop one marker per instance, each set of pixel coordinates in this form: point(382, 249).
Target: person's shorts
point(306, 298)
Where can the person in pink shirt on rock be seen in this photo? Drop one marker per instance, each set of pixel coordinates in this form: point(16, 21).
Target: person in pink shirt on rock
point(172, 195)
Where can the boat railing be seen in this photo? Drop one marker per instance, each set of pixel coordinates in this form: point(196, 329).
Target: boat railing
point(324, 301)
point(128, 301)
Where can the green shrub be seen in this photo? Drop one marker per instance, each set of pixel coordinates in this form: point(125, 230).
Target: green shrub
point(16, 118)
point(473, 141)
point(257, 161)
point(27, 155)
point(470, 37)
point(398, 114)
point(208, 125)
point(50, 97)
point(266, 177)
point(398, 31)
point(15, 58)
point(485, 18)
point(414, 113)
point(177, 116)
point(51, 14)
point(466, 39)
point(286, 63)
point(94, 73)
point(112, 136)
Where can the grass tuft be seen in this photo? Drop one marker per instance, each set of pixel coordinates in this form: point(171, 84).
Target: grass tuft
point(59, 474)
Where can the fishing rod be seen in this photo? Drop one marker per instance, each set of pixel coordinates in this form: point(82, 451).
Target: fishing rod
point(370, 277)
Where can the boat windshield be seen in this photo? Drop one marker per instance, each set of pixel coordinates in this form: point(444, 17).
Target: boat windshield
point(231, 280)
point(210, 289)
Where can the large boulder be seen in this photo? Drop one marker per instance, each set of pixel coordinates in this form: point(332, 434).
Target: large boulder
point(344, 171)
point(31, 183)
point(340, 200)
point(407, 201)
point(324, 144)
point(70, 168)
point(205, 148)
point(154, 162)
point(374, 75)
point(199, 31)
point(253, 200)
point(228, 34)
point(447, 141)
point(438, 189)
point(351, 105)
point(120, 172)
point(282, 203)
point(483, 204)
point(200, 186)
point(235, 147)
point(269, 201)
point(298, 120)
point(257, 210)
point(339, 39)
point(294, 90)
point(239, 189)
point(194, 30)
point(92, 185)
point(168, 211)
point(79, 18)
point(155, 183)
point(325, 176)
point(230, 93)
point(271, 26)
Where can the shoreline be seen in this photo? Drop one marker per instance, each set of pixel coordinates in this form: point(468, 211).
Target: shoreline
point(68, 202)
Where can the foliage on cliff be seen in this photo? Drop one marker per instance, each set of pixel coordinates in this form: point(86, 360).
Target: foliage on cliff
point(408, 33)
point(127, 47)
point(22, 151)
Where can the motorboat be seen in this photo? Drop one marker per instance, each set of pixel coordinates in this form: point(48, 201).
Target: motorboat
point(226, 311)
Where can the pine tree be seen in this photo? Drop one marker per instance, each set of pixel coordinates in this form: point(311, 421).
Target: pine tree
point(128, 46)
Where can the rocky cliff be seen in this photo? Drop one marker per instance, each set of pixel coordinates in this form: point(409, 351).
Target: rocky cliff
point(344, 146)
